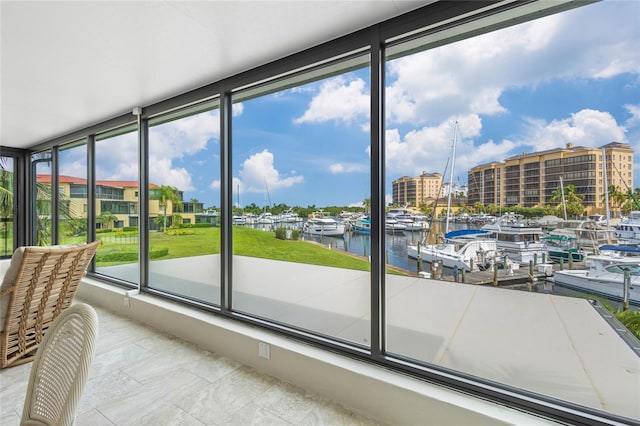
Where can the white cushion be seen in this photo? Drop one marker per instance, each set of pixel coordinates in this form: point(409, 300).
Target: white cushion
point(7, 281)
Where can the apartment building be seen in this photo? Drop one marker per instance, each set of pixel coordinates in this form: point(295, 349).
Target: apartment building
point(121, 199)
point(416, 191)
point(529, 179)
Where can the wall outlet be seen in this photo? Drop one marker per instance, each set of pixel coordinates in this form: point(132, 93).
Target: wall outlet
point(264, 350)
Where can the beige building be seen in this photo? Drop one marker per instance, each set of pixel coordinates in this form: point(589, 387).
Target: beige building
point(528, 180)
point(121, 199)
point(416, 191)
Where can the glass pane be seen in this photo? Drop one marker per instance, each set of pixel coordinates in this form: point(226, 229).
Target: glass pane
point(300, 181)
point(6, 205)
point(184, 238)
point(72, 204)
point(41, 166)
point(503, 117)
point(117, 204)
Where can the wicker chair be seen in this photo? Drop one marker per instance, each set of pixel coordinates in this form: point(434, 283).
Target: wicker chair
point(61, 368)
point(39, 284)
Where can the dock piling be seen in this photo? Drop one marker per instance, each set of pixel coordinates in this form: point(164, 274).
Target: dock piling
point(627, 285)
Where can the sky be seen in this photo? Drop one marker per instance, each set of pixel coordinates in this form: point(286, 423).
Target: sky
point(568, 78)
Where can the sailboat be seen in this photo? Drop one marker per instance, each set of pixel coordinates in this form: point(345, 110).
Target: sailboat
point(462, 253)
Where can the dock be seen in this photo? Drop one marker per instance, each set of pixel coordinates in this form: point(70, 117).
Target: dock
point(504, 277)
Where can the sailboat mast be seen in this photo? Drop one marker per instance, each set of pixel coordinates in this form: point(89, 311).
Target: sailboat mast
point(453, 165)
point(606, 186)
point(564, 202)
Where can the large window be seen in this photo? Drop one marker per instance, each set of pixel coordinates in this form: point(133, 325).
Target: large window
point(41, 207)
point(184, 177)
point(116, 174)
point(72, 203)
point(452, 107)
point(300, 157)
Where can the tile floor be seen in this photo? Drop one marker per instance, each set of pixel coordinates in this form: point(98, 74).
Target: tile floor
point(142, 377)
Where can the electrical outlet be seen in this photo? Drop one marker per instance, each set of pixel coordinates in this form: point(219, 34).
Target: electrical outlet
point(264, 350)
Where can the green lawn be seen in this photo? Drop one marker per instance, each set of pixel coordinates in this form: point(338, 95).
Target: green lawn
point(246, 242)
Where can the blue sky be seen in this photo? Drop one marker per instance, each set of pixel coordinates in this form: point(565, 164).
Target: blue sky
point(569, 78)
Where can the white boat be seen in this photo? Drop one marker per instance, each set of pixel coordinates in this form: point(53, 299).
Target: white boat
point(473, 254)
point(590, 234)
point(393, 226)
point(628, 229)
point(320, 223)
point(518, 238)
point(604, 275)
point(288, 216)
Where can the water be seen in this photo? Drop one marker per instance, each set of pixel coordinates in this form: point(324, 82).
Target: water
point(396, 253)
point(396, 244)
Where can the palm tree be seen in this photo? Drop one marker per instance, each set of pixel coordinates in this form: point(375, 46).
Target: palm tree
point(165, 195)
point(106, 218)
point(572, 200)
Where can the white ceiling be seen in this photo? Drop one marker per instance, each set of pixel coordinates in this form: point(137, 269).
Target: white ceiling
point(67, 65)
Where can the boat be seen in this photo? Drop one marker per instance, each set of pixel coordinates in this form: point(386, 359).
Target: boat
point(362, 225)
point(468, 254)
point(564, 247)
point(605, 274)
point(288, 216)
point(320, 223)
point(589, 233)
point(393, 226)
point(518, 238)
point(628, 229)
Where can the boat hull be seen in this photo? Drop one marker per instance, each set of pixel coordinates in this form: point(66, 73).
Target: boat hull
point(611, 287)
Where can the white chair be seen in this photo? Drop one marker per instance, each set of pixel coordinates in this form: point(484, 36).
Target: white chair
point(61, 368)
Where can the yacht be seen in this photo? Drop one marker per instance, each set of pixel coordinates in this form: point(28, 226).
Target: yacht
point(320, 223)
point(628, 229)
point(518, 238)
point(468, 254)
point(605, 274)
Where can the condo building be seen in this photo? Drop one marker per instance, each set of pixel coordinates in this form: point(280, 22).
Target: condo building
point(120, 198)
point(529, 179)
point(416, 191)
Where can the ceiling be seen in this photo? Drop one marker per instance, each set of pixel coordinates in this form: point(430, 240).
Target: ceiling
point(68, 65)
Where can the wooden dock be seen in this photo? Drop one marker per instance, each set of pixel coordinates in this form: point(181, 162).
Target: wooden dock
point(504, 277)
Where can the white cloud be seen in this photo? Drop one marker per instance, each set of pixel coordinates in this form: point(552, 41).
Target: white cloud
point(338, 99)
point(348, 168)
point(469, 76)
point(634, 112)
point(587, 128)
point(429, 149)
point(258, 173)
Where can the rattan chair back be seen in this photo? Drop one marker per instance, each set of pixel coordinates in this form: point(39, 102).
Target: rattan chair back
point(61, 368)
point(45, 284)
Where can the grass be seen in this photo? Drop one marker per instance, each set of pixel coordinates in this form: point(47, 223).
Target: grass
point(246, 242)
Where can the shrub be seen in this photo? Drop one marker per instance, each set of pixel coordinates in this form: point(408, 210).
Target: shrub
point(281, 233)
point(128, 256)
point(177, 232)
point(130, 228)
point(295, 234)
point(103, 230)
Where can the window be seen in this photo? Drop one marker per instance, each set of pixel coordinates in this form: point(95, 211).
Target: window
point(72, 177)
point(116, 173)
point(41, 178)
point(184, 167)
point(300, 147)
point(447, 102)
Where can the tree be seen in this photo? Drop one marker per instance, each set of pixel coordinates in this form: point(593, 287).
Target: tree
point(572, 200)
point(165, 195)
point(106, 219)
